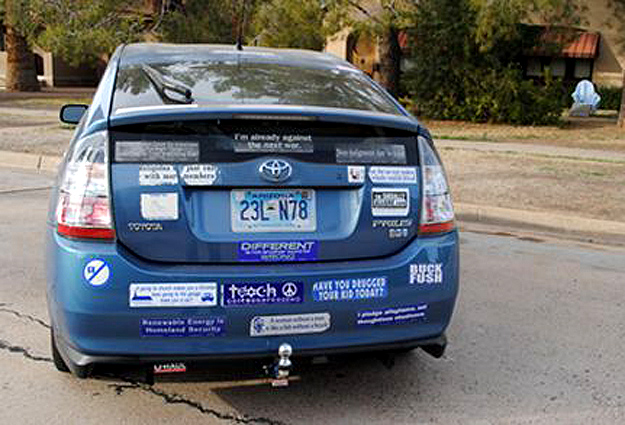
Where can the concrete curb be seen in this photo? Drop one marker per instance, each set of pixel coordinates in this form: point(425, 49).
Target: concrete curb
point(566, 225)
point(30, 161)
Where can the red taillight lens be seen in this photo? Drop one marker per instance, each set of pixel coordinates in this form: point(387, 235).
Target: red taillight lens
point(437, 211)
point(84, 208)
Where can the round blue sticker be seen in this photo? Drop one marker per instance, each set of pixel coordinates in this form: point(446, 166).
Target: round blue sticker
point(97, 272)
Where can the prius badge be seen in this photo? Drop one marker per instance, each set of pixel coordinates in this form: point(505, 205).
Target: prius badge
point(275, 170)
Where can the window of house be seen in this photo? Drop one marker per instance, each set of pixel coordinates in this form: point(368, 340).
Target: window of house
point(558, 67)
point(583, 68)
point(534, 67)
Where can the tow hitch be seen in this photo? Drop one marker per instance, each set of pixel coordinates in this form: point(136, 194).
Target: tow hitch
point(280, 371)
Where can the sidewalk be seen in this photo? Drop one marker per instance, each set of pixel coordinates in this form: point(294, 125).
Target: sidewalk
point(540, 150)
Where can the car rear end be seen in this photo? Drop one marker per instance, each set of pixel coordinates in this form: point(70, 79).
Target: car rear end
point(252, 211)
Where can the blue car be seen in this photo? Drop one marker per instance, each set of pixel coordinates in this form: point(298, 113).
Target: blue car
point(222, 203)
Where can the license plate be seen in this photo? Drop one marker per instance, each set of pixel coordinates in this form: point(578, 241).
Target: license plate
point(277, 210)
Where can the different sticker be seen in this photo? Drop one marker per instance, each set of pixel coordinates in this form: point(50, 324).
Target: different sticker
point(371, 153)
point(183, 327)
point(157, 175)
point(97, 272)
point(272, 251)
point(173, 294)
point(422, 274)
point(393, 175)
point(159, 206)
point(360, 288)
point(392, 316)
point(390, 202)
point(246, 294)
point(135, 151)
point(290, 324)
point(199, 174)
point(356, 174)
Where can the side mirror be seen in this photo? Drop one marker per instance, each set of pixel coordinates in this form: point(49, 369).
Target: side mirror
point(71, 114)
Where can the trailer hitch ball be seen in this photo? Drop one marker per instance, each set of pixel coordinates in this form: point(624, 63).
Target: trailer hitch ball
point(282, 369)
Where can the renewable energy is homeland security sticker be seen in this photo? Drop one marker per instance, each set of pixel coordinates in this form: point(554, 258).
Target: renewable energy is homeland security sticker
point(96, 272)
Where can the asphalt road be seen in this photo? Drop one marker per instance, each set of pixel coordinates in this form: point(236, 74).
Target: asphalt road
point(537, 338)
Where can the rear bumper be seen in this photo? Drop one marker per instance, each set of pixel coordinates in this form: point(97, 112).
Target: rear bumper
point(95, 324)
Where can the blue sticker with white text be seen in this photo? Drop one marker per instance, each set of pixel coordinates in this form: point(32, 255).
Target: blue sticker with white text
point(274, 251)
point(392, 316)
point(183, 327)
point(358, 288)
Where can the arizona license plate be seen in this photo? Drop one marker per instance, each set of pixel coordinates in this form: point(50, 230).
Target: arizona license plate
point(273, 210)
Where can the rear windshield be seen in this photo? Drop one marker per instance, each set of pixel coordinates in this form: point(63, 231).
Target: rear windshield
point(235, 141)
point(248, 83)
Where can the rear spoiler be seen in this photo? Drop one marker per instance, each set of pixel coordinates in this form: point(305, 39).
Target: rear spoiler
point(164, 113)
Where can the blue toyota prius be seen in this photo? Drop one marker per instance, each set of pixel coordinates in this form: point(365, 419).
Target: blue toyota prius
point(225, 203)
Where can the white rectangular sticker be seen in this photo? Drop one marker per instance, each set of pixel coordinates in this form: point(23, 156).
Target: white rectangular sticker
point(290, 324)
point(393, 175)
point(159, 206)
point(390, 202)
point(172, 294)
point(156, 151)
point(199, 174)
point(356, 174)
point(157, 175)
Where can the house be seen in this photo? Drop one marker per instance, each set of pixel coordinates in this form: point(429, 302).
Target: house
point(593, 52)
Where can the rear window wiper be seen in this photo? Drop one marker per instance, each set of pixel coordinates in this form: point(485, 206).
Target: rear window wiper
point(166, 87)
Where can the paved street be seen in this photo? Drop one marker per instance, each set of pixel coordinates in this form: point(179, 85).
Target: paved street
point(537, 338)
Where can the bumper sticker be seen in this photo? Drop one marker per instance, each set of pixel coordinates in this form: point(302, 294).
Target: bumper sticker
point(183, 327)
point(173, 294)
point(390, 202)
point(155, 151)
point(393, 175)
point(421, 274)
point(350, 289)
point(246, 294)
point(356, 174)
point(290, 324)
point(392, 316)
point(199, 174)
point(278, 251)
point(157, 175)
point(159, 206)
point(97, 272)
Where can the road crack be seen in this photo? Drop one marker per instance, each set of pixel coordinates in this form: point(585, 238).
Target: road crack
point(174, 398)
point(23, 316)
point(4, 345)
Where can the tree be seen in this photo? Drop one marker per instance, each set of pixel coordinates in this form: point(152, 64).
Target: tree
point(21, 74)
point(384, 19)
point(204, 21)
point(290, 23)
point(84, 31)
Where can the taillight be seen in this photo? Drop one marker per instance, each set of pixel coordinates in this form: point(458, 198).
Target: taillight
point(84, 208)
point(437, 211)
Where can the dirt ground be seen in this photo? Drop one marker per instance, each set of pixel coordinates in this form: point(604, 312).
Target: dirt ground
point(588, 133)
point(582, 188)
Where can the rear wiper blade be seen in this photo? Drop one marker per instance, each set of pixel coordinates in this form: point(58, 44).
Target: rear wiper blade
point(165, 85)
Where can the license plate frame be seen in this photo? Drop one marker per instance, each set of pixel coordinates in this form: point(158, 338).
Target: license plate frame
point(277, 211)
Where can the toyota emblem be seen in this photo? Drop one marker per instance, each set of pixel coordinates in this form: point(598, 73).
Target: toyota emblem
point(275, 170)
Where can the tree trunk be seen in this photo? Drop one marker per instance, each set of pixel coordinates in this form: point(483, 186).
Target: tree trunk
point(21, 74)
point(621, 115)
point(390, 59)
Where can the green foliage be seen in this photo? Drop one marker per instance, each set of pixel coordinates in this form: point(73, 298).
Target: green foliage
point(203, 21)
point(455, 77)
point(82, 31)
point(290, 23)
point(610, 97)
